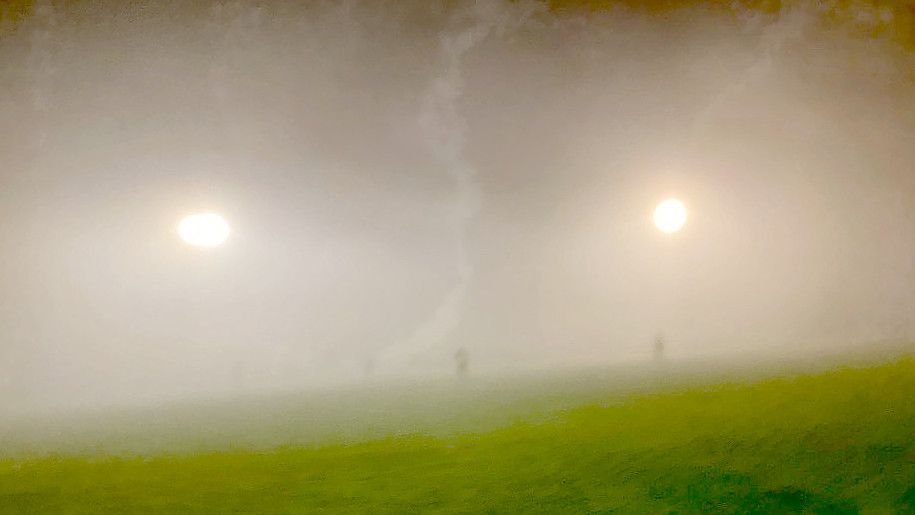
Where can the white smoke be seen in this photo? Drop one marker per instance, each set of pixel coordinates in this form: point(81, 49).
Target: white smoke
point(444, 130)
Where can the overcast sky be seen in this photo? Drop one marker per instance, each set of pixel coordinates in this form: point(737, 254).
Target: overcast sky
point(406, 178)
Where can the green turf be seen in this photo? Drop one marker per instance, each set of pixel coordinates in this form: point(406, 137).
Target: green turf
point(835, 442)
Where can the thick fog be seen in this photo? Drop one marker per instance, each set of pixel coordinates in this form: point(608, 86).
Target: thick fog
point(404, 179)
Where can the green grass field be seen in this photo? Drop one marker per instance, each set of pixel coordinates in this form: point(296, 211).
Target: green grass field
point(841, 441)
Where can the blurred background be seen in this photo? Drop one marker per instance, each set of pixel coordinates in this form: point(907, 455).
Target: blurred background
point(404, 179)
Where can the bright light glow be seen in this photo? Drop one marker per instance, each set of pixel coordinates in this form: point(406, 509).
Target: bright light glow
point(203, 230)
point(670, 216)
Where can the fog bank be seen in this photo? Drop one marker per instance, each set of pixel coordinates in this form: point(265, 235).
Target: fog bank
point(404, 179)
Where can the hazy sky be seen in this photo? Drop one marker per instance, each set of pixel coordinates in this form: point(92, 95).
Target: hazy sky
point(406, 178)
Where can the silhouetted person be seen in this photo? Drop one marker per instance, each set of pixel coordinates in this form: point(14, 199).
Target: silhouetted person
point(659, 348)
point(462, 359)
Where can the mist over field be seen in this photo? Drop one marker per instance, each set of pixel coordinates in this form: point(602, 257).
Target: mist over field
point(404, 179)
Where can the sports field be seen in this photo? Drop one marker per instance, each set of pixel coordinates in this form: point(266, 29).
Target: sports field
point(840, 441)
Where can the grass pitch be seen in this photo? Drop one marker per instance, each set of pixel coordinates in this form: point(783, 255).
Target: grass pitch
point(841, 441)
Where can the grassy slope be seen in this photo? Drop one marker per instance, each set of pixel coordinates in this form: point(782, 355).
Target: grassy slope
point(835, 442)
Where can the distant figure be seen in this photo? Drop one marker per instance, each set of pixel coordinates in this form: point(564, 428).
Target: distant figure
point(369, 367)
point(659, 348)
point(462, 359)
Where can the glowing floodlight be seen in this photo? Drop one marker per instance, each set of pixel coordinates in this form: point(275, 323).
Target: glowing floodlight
point(670, 216)
point(203, 230)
